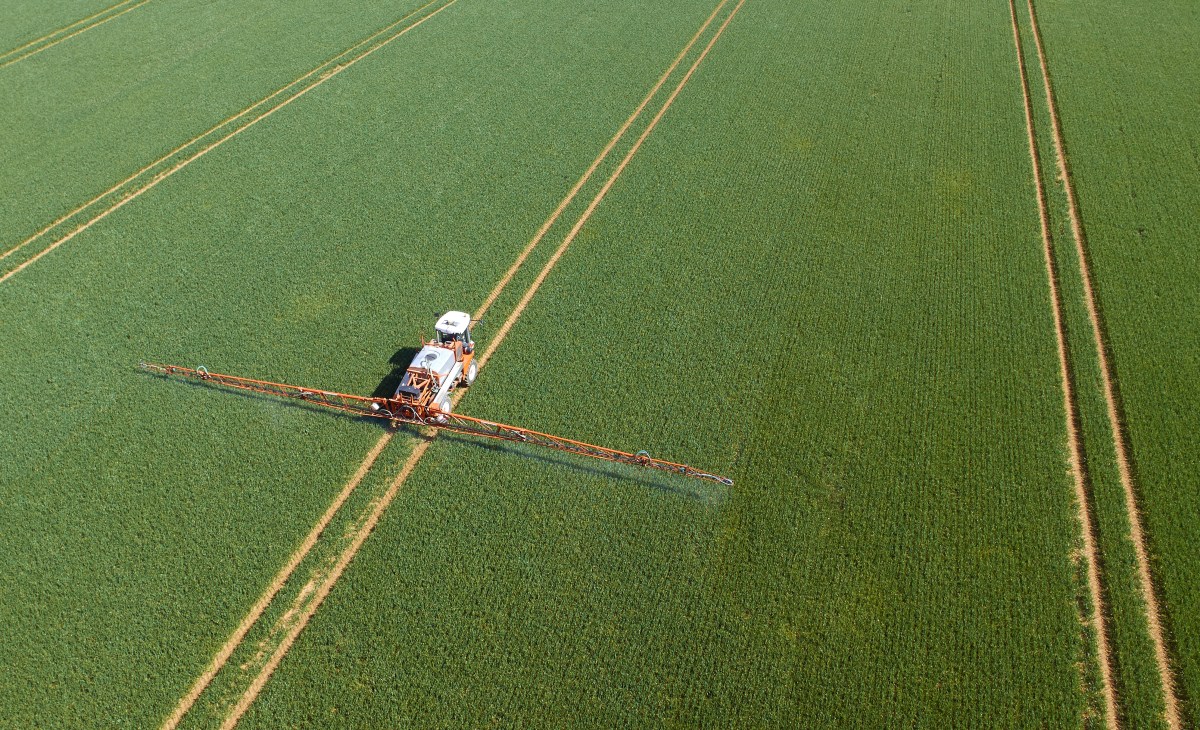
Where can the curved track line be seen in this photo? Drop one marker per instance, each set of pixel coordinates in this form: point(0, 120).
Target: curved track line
point(129, 197)
point(1120, 445)
point(63, 29)
point(365, 531)
point(97, 24)
point(1082, 496)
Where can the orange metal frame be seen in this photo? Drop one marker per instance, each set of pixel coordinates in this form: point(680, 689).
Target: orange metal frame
point(422, 413)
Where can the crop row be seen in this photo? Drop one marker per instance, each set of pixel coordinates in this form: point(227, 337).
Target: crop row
point(29, 24)
point(242, 687)
point(1125, 117)
point(143, 517)
point(821, 276)
point(89, 113)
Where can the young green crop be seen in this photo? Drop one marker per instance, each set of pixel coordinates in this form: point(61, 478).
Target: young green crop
point(30, 21)
point(1135, 683)
point(1128, 115)
point(83, 116)
point(142, 518)
point(822, 275)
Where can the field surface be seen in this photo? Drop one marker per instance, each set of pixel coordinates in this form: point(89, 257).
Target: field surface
point(1133, 141)
point(916, 276)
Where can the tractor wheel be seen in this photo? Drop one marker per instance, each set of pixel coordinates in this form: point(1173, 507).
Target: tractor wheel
point(444, 407)
point(472, 371)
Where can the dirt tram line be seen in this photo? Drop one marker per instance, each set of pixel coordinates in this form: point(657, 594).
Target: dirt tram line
point(368, 526)
point(51, 39)
point(1083, 497)
point(1108, 379)
point(307, 603)
point(128, 190)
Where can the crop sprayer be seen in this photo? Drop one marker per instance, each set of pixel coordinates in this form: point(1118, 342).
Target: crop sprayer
point(422, 398)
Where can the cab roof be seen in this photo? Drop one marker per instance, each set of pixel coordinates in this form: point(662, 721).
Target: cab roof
point(453, 323)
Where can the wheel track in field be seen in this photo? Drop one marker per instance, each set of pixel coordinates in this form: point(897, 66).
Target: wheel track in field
point(63, 29)
point(235, 639)
point(379, 507)
point(49, 40)
point(148, 177)
point(1116, 420)
point(1083, 496)
point(297, 615)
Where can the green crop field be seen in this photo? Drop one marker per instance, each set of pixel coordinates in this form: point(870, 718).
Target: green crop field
point(917, 276)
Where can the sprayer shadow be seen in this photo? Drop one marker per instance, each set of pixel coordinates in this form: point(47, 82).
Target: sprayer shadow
point(399, 363)
point(659, 482)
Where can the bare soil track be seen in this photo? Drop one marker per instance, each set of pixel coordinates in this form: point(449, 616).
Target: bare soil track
point(65, 29)
point(131, 188)
point(1083, 497)
point(381, 506)
point(273, 588)
point(239, 634)
point(36, 46)
point(1108, 379)
point(583, 179)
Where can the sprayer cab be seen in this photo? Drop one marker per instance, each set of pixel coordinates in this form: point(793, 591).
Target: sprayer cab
point(453, 328)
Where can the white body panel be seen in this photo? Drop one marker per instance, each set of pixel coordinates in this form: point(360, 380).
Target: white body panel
point(441, 361)
point(437, 359)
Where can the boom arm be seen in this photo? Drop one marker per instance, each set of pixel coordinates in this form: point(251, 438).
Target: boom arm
point(381, 408)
